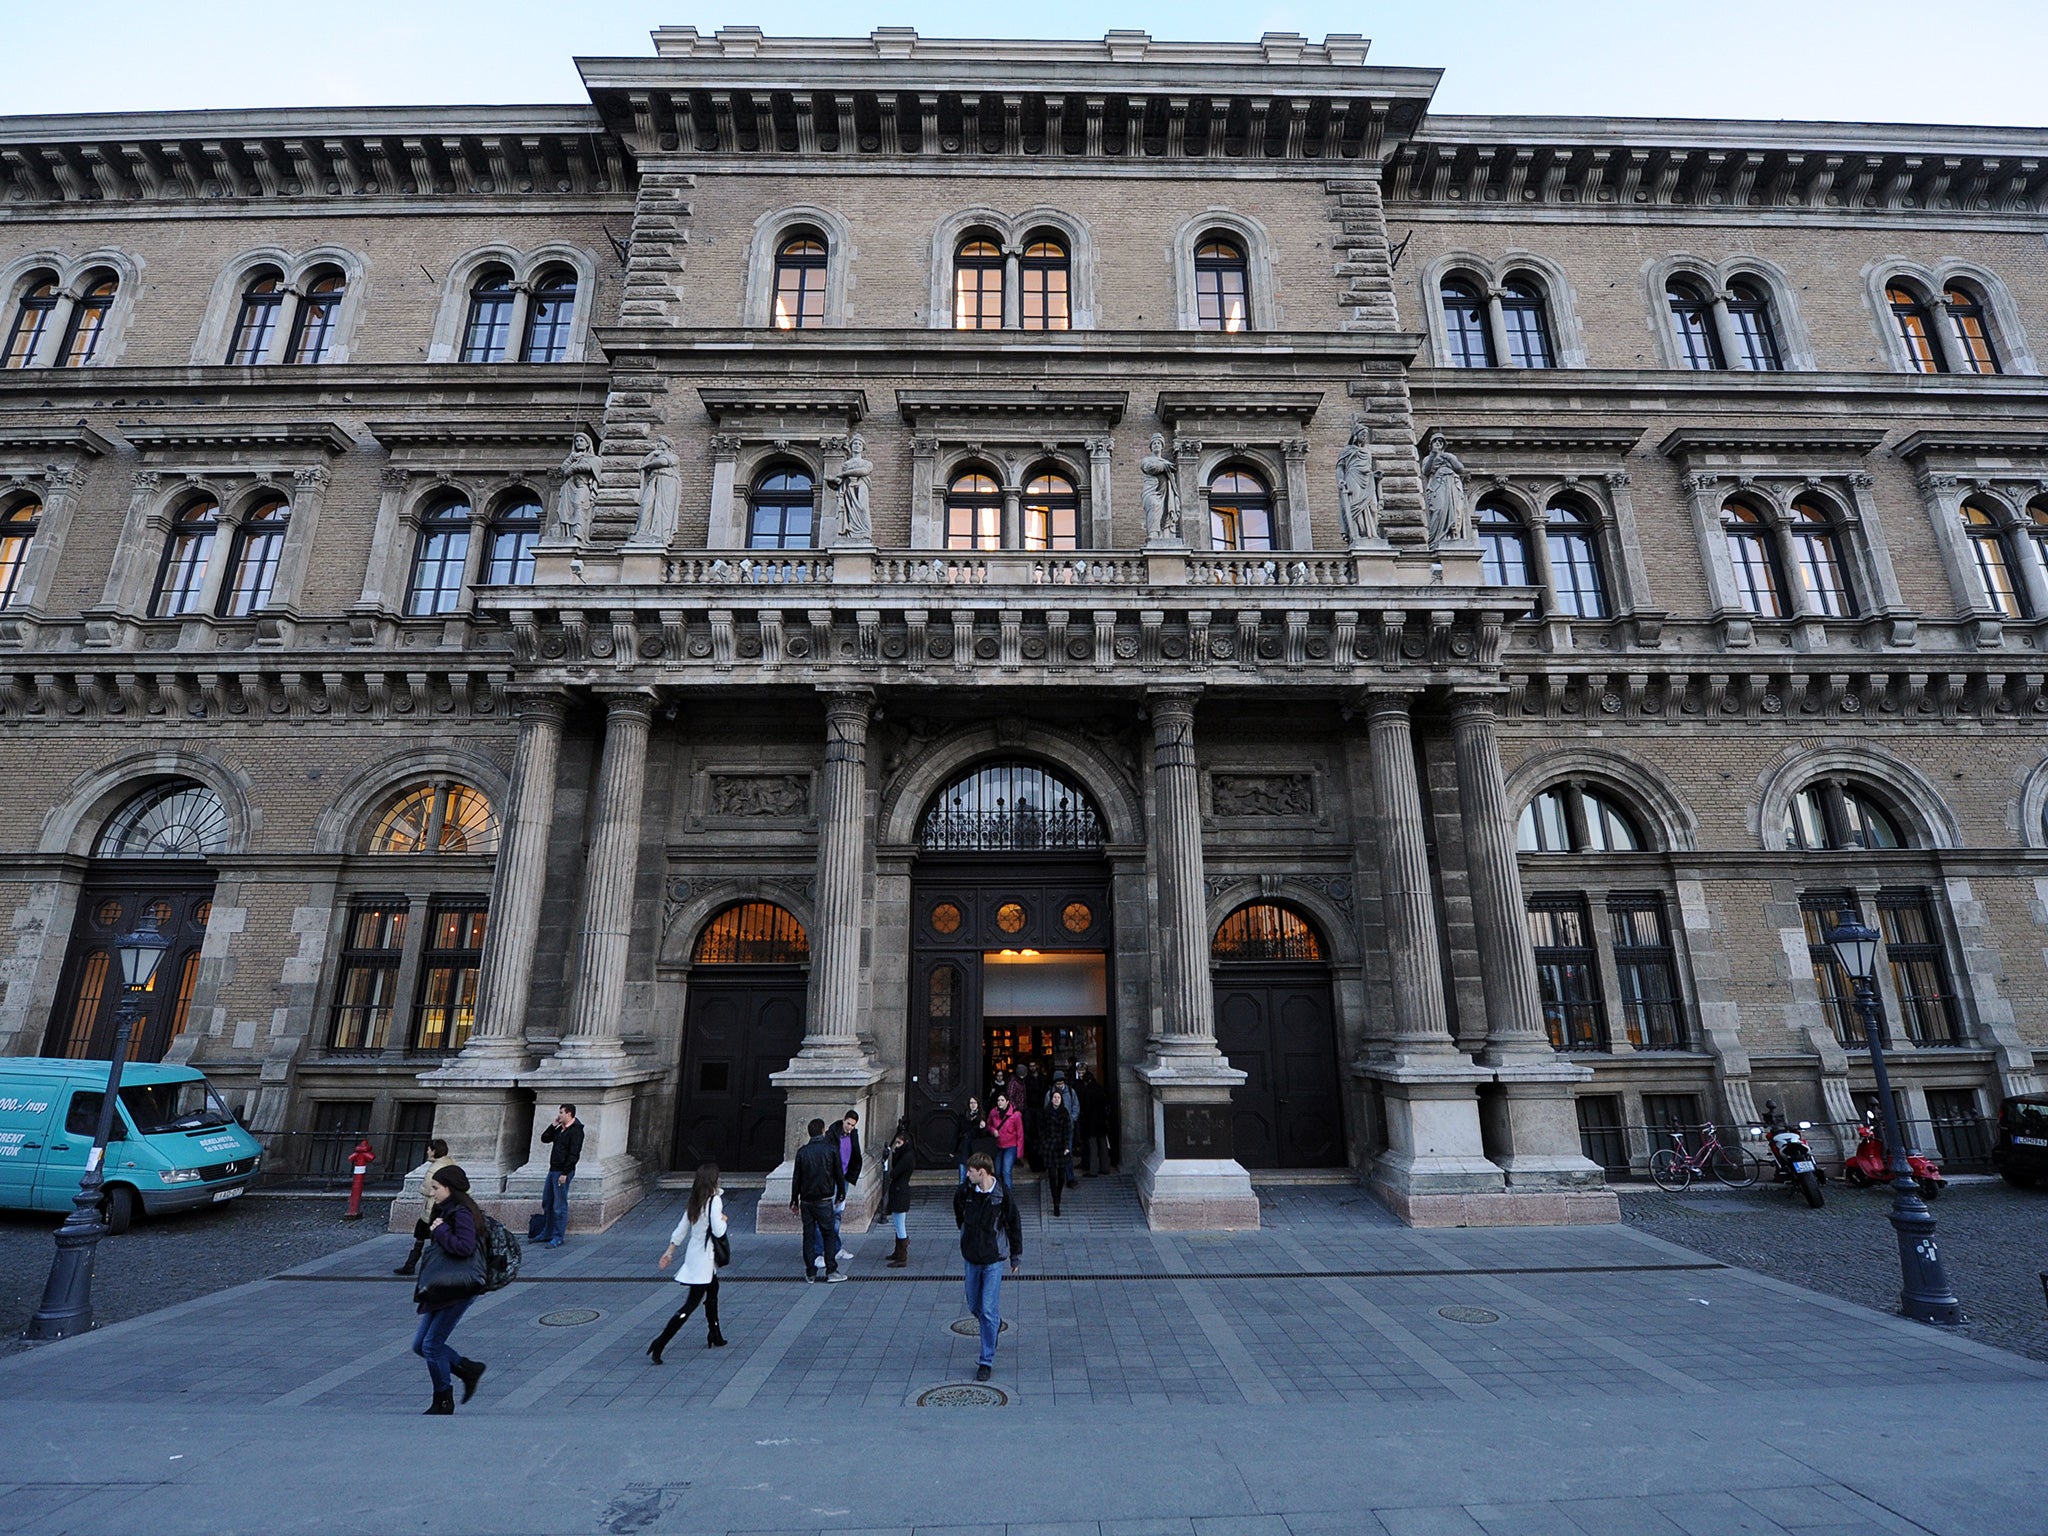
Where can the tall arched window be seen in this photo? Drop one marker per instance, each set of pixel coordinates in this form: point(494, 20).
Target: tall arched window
point(1046, 273)
point(515, 529)
point(1503, 543)
point(256, 320)
point(781, 509)
point(1966, 314)
point(1265, 930)
point(1051, 513)
point(1692, 321)
point(752, 933)
point(800, 283)
point(1749, 316)
point(1528, 326)
point(439, 559)
point(487, 330)
point(1240, 511)
point(1991, 550)
point(1465, 329)
point(178, 820)
point(1835, 815)
point(1222, 286)
point(31, 319)
point(89, 320)
point(188, 551)
point(1572, 818)
point(978, 285)
point(441, 816)
point(974, 512)
point(17, 536)
point(1915, 321)
point(550, 309)
point(2037, 527)
point(1817, 547)
point(1759, 586)
point(1573, 543)
point(253, 559)
point(319, 312)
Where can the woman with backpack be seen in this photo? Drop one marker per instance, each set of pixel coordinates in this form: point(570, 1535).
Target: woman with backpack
point(898, 1163)
point(1006, 1124)
point(700, 1235)
point(450, 1278)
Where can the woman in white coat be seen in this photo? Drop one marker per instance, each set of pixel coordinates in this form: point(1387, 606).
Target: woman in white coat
point(703, 1220)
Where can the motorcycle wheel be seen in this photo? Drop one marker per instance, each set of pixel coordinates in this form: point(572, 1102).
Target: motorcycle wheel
point(1809, 1186)
point(1930, 1189)
point(1732, 1168)
point(1671, 1171)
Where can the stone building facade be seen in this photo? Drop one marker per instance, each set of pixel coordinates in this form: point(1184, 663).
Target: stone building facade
point(844, 569)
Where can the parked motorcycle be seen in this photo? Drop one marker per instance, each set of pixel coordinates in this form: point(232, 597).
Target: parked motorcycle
point(1870, 1166)
point(1791, 1157)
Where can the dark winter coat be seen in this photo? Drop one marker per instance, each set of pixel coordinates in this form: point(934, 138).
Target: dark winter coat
point(566, 1148)
point(454, 1266)
point(989, 1229)
point(818, 1175)
point(896, 1198)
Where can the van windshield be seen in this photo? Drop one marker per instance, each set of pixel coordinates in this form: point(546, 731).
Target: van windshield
point(2027, 1119)
point(188, 1106)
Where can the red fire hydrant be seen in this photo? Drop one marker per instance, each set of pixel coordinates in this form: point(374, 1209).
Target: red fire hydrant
point(360, 1160)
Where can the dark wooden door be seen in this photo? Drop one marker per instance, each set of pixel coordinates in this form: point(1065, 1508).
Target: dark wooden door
point(1276, 1025)
point(84, 1021)
point(945, 1051)
point(739, 1027)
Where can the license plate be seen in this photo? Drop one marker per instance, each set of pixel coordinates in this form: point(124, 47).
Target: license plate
point(1802, 1167)
point(228, 1194)
point(2030, 1141)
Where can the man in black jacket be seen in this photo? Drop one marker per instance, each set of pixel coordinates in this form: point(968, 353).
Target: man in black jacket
point(565, 1138)
point(991, 1236)
point(817, 1187)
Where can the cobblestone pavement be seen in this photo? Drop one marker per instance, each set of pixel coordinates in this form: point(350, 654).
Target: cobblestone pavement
point(1994, 1238)
point(159, 1263)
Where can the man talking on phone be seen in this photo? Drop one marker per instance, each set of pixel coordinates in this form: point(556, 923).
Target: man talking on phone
point(564, 1136)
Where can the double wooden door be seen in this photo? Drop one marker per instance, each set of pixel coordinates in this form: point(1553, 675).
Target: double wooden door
point(738, 1028)
point(86, 1019)
point(1275, 1024)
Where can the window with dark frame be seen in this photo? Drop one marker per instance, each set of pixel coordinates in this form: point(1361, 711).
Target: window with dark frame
point(1820, 911)
point(439, 816)
point(1566, 977)
point(440, 560)
point(1240, 511)
point(978, 285)
point(1046, 273)
point(1646, 973)
point(188, 551)
point(1914, 319)
point(31, 319)
point(88, 321)
point(974, 512)
point(1966, 311)
point(1759, 585)
point(514, 531)
point(551, 308)
point(1692, 321)
point(1991, 553)
point(256, 320)
point(782, 509)
point(1576, 818)
point(487, 329)
point(446, 1010)
point(1578, 586)
point(253, 559)
point(799, 301)
point(1817, 547)
point(365, 992)
point(1465, 329)
point(319, 311)
point(1527, 325)
point(1051, 511)
point(1222, 286)
point(1664, 1113)
point(1749, 316)
point(17, 537)
point(1832, 814)
point(1503, 544)
point(1919, 965)
point(336, 1128)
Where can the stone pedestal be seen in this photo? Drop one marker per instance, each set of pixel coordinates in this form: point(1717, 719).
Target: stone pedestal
point(824, 1090)
point(609, 1180)
point(1434, 1171)
point(1189, 1180)
point(1532, 1135)
point(482, 1113)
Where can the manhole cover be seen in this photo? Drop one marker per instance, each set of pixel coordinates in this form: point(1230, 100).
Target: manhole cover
point(569, 1317)
point(964, 1394)
point(968, 1328)
point(1477, 1316)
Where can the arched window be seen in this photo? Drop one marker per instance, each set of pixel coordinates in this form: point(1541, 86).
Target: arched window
point(1984, 525)
point(1573, 544)
point(549, 311)
point(1692, 321)
point(1046, 275)
point(1915, 322)
point(752, 933)
point(31, 319)
point(319, 312)
point(1759, 586)
point(1240, 511)
point(1222, 286)
point(515, 529)
point(487, 331)
point(800, 283)
point(440, 559)
point(1833, 815)
point(1265, 930)
point(974, 512)
point(253, 558)
point(1465, 330)
point(1571, 818)
point(2037, 527)
point(978, 285)
point(1051, 513)
point(17, 536)
point(1010, 807)
point(188, 551)
point(1503, 543)
point(1528, 326)
point(1817, 547)
point(1749, 316)
point(440, 817)
point(1966, 314)
point(781, 509)
point(89, 320)
point(178, 820)
point(256, 321)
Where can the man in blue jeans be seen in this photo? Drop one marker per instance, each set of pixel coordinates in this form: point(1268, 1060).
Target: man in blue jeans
point(991, 1237)
point(817, 1187)
point(564, 1136)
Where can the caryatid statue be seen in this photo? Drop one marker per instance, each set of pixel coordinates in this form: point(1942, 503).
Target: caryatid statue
point(1162, 491)
point(661, 496)
point(1443, 493)
point(579, 488)
point(850, 485)
point(1358, 487)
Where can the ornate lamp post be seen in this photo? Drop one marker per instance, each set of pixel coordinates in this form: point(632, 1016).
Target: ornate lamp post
point(67, 1296)
point(1925, 1292)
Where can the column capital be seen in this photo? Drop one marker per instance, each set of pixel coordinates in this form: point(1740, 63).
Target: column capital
point(1172, 700)
point(539, 704)
point(1474, 707)
point(844, 703)
point(625, 703)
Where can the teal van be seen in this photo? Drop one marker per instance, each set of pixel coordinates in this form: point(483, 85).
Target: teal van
point(174, 1144)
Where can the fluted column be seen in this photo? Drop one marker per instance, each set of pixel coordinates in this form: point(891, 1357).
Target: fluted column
point(835, 1018)
point(1514, 1009)
point(605, 923)
point(1420, 1022)
point(1187, 1012)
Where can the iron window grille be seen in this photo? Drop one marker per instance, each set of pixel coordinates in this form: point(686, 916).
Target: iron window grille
point(178, 820)
point(1819, 911)
point(753, 933)
point(1265, 930)
point(1011, 808)
point(1566, 976)
point(1646, 970)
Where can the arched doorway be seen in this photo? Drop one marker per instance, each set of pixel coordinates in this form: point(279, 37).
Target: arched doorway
point(149, 867)
point(744, 1021)
point(1010, 944)
point(1274, 1021)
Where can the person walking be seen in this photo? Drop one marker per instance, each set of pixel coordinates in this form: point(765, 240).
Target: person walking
point(1094, 1117)
point(817, 1188)
point(1056, 1145)
point(703, 1220)
point(564, 1136)
point(437, 1159)
point(1006, 1122)
point(898, 1163)
point(850, 1164)
point(450, 1278)
point(991, 1237)
point(973, 1126)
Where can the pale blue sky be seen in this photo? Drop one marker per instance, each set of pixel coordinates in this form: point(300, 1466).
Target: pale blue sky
point(1969, 61)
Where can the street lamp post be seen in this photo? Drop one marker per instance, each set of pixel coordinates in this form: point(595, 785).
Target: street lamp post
point(1925, 1292)
point(67, 1295)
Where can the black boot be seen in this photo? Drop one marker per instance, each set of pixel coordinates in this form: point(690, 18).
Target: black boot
point(412, 1260)
point(469, 1373)
point(714, 1339)
point(444, 1400)
point(668, 1331)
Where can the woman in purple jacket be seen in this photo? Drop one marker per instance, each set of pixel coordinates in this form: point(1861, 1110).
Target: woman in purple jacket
point(449, 1280)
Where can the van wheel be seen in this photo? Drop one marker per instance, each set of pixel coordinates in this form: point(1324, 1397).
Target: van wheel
point(2018, 1180)
point(117, 1208)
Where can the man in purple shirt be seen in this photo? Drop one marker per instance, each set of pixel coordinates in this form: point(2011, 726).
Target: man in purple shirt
point(849, 1164)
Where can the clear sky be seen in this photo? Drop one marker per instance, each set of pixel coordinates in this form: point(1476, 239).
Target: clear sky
point(1966, 61)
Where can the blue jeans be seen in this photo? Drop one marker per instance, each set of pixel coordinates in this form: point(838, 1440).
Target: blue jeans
point(430, 1342)
point(554, 1204)
point(821, 1235)
point(1006, 1159)
point(985, 1301)
point(901, 1222)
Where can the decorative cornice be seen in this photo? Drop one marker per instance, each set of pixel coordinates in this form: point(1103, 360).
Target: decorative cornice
point(1974, 443)
point(1695, 442)
point(1197, 405)
point(32, 437)
point(1567, 437)
point(174, 437)
point(728, 405)
point(1100, 408)
point(430, 431)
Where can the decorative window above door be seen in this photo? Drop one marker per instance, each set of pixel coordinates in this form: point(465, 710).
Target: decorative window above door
point(1011, 808)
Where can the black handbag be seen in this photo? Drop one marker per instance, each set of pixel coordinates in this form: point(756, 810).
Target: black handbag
point(721, 1250)
point(444, 1279)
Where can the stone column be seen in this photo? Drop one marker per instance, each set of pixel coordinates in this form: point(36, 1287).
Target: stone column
point(1497, 327)
point(1421, 1026)
point(1013, 287)
point(1101, 523)
point(1733, 354)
